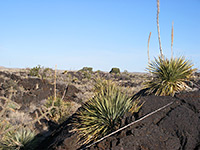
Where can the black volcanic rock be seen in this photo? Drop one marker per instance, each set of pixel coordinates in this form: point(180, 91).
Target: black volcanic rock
point(176, 127)
point(27, 91)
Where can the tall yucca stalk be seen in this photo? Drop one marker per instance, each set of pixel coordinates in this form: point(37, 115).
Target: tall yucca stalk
point(101, 115)
point(158, 28)
point(148, 47)
point(169, 75)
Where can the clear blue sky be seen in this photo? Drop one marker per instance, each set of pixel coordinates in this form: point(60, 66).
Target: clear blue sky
point(98, 33)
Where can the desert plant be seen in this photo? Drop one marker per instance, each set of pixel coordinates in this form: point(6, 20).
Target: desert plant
point(61, 110)
point(35, 71)
point(169, 75)
point(45, 72)
point(88, 69)
point(18, 139)
point(102, 114)
point(115, 70)
point(86, 74)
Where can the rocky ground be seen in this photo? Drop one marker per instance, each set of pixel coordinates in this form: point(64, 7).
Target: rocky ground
point(30, 89)
point(176, 127)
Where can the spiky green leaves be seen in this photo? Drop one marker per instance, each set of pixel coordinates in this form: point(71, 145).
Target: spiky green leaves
point(18, 139)
point(169, 75)
point(101, 115)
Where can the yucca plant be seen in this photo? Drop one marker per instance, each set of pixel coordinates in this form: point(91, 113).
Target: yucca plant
point(19, 139)
point(102, 114)
point(169, 76)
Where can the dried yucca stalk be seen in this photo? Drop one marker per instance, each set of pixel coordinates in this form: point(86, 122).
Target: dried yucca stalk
point(148, 47)
point(158, 28)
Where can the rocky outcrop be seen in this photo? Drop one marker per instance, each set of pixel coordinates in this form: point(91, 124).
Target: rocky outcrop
point(32, 90)
point(176, 127)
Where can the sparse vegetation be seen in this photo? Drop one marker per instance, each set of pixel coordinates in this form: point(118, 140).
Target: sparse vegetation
point(14, 133)
point(88, 69)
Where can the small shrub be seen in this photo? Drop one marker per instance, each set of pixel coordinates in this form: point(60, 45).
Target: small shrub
point(41, 72)
point(61, 111)
point(65, 72)
point(115, 70)
point(125, 71)
point(35, 71)
point(46, 72)
point(18, 139)
point(102, 114)
point(169, 76)
point(87, 69)
point(86, 75)
point(98, 71)
point(86, 72)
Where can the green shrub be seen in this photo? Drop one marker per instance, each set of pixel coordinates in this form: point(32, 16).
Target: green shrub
point(115, 70)
point(102, 114)
point(125, 72)
point(46, 72)
point(41, 72)
point(169, 76)
point(65, 72)
point(87, 69)
point(86, 75)
point(35, 71)
point(18, 139)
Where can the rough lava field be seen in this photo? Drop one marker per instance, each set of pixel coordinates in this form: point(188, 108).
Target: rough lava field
point(177, 127)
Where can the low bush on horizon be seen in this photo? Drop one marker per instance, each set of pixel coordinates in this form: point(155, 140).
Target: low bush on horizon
point(169, 76)
point(103, 113)
point(35, 71)
point(88, 69)
point(115, 70)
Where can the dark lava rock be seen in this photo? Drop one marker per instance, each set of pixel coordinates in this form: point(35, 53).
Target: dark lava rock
point(177, 127)
point(71, 91)
point(28, 91)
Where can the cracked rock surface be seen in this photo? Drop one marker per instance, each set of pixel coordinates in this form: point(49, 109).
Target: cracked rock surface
point(176, 127)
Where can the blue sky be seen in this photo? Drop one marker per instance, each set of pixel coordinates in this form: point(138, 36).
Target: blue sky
point(96, 33)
